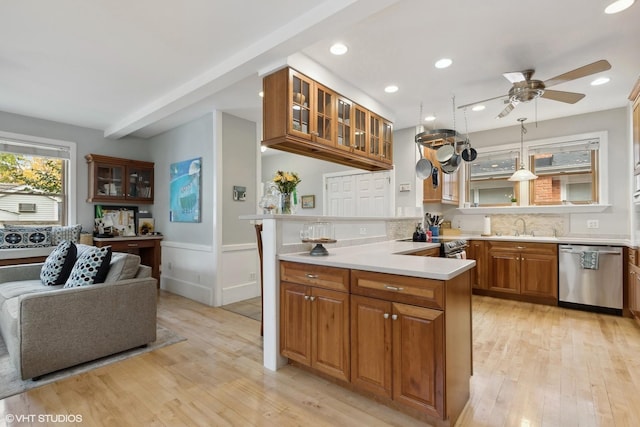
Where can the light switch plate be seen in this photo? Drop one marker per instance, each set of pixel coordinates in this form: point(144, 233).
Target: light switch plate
point(405, 187)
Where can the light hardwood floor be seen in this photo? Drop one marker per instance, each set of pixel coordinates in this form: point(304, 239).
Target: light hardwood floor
point(533, 366)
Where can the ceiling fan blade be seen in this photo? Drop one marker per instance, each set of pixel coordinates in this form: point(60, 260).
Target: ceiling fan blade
point(506, 110)
point(484, 100)
point(584, 71)
point(558, 95)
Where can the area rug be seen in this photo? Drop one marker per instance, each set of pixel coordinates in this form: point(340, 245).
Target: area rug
point(10, 382)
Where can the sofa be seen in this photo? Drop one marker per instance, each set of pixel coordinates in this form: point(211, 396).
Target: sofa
point(48, 328)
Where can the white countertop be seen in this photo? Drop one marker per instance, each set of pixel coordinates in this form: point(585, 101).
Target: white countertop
point(388, 257)
point(578, 240)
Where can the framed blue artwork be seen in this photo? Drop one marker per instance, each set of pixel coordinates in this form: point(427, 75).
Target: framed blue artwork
point(184, 191)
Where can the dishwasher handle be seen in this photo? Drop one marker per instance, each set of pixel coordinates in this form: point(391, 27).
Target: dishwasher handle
point(569, 251)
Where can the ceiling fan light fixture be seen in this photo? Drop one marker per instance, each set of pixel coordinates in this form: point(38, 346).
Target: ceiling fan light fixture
point(618, 6)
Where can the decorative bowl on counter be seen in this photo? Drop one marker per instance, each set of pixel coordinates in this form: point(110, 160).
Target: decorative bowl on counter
point(318, 233)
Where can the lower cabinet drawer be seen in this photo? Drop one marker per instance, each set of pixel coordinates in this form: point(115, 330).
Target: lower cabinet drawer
point(315, 275)
point(412, 290)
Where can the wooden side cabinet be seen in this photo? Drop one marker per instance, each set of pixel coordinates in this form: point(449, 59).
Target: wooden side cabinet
point(634, 97)
point(314, 321)
point(524, 269)
point(148, 248)
point(477, 252)
point(634, 290)
point(117, 180)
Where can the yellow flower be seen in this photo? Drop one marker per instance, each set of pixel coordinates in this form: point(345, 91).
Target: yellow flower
point(286, 181)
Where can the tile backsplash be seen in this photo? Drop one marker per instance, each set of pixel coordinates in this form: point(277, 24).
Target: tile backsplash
point(540, 225)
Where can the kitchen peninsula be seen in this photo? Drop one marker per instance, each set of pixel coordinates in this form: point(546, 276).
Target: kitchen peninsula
point(385, 323)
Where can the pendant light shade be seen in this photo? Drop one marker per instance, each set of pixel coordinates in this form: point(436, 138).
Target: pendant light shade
point(522, 174)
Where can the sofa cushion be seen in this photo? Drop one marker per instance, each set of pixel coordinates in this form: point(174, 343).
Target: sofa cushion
point(25, 237)
point(123, 266)
point(58, 265)
point(65, 232)
point(91, 268)
point(9, 290)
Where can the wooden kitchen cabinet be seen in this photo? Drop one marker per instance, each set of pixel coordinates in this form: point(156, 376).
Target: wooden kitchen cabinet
point(634, 290)
point(302, 116)
point(117, 180)
point(393, 344)
point(634, 97)
point(448, 189)
point(314, 318)
point(477, 252)
point(524, 269)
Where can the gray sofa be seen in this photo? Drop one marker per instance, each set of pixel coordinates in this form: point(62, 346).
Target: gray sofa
point(47, 328)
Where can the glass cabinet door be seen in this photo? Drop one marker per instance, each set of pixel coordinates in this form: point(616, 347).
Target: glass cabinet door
point(109, 180)
point(374, 136)
point(360, 129)
point(300, 105)
point(344, 124)
point(140, 183)
point(387, 141)
point(324, 115)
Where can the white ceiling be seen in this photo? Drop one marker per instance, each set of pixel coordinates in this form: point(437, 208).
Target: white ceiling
point(143, 67)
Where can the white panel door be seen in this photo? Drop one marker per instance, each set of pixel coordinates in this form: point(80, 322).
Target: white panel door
point(364, 194)
point(341, 193)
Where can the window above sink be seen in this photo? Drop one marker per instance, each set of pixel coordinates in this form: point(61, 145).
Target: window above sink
point(572, 173)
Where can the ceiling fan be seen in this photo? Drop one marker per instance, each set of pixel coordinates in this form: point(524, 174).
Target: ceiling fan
point(525, 89)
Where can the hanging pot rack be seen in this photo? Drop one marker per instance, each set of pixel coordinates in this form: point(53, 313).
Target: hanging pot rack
point(437, 137)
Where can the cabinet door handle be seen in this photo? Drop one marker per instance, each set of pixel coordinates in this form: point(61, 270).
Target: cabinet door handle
point(521, 247)
point(393, 288)
point(386, 315)
point(132, 245)
point(312, 298)
point(394, 317)
point(306, 297)
point(311, 276)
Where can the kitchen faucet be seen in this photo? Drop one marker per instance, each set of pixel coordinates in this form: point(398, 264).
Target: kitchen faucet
point(524, 226)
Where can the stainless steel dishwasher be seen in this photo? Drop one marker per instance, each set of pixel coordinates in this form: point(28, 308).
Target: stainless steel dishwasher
point(595, 285)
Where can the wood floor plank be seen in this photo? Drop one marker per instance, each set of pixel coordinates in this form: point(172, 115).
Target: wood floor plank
point(533, 366)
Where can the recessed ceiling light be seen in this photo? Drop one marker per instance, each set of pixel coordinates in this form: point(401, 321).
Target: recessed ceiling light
point(618, 6)
point(429, 118)
point(338, 49)
point(391, 89)
point(600, 81)
point(478, 107)
point(443, 63)
point(261, 94)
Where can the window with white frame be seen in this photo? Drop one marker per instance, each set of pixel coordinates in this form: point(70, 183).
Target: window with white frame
point(488, 174)
point(34, 180)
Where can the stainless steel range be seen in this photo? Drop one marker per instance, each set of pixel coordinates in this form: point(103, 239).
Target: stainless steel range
point(454, 249)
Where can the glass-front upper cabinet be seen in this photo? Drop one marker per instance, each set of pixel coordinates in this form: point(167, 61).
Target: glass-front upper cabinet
point(387, 141)
point(360, 129)
point(113, 179)
point(108, 182)
point(375, 141)
point(139, 183)
point(345, 111)
point(324, 114)
point(300, 105)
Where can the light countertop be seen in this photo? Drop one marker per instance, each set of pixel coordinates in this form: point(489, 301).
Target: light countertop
point(388, 257)
point(578, 240)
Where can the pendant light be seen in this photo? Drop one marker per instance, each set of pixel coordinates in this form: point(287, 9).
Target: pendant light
point(522, 174)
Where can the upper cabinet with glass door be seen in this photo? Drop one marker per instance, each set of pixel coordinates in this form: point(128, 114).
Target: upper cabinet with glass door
point(113, 179)
point(304, 117)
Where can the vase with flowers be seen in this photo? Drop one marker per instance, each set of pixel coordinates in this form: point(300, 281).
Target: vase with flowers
point(287, 183)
